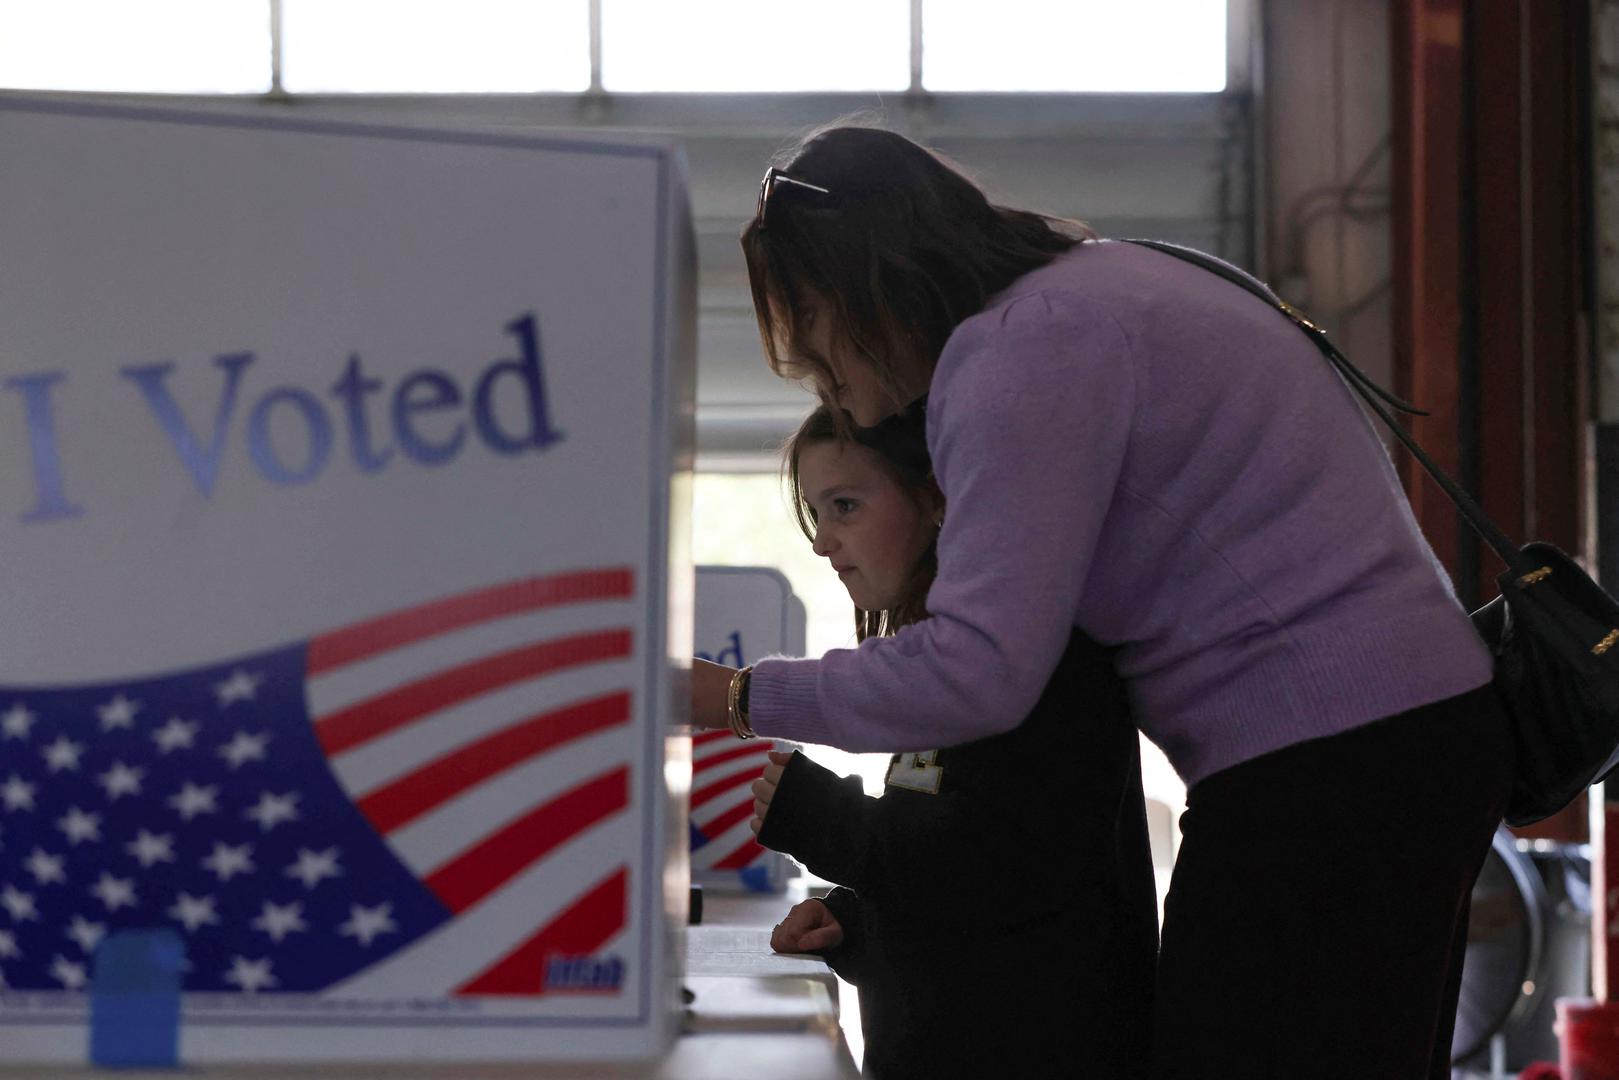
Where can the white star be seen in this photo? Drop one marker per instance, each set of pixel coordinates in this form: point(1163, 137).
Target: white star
point(121, 779)
point(313, 867)
point(62, 754)
point(193, 800)
point(241, 686)
point(193, 911)
point(16, 721)
point(80, 826)
point(366, 923)
point(150, 849)
point(114, 892)
point(279, 921)
point(46, 868)
point(17, 793)
point(69, 974)
point(86, 934)
point(244, 748)
point(8, 946)
point(227, 861)
point(251, 975)
point(272, 810)
point(177, 734)
point(18, 904)
point(118, 713)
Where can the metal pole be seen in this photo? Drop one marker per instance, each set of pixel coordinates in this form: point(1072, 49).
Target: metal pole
point(276, 89)
point(595, 46)
point(916, 47)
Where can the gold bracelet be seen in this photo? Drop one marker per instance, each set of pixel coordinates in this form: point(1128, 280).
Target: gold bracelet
point(737, 719)
point(734, 716)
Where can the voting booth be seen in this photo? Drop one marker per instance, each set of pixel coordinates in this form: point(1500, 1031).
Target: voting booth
point(744, 613)
point(339, 466)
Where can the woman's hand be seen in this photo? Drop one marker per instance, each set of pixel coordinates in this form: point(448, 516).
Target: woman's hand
point(710, 685)
point(764, 789)
point(809, 927)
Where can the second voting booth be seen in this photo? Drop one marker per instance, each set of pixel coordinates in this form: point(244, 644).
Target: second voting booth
point(340, 469)
point(743, 614)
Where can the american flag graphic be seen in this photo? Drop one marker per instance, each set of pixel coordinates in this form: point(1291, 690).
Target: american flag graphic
point(723, 772)
point(430, 803)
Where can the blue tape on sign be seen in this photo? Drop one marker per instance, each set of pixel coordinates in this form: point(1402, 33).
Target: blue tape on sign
point(135, 999)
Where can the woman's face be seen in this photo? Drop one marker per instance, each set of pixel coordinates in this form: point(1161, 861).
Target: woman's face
point(858, 389)
point(866, 525)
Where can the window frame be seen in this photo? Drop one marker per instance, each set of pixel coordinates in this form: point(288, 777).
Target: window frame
point(1243, 38)
point(1241, 41)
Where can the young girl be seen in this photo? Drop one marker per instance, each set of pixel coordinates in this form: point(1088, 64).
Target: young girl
point(998, 910)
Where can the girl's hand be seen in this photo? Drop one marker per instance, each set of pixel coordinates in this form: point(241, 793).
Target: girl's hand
point(710, 685)
point(809, 927)
point(764, 789)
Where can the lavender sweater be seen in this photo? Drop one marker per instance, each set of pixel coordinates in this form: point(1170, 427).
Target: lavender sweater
point(1133, 446)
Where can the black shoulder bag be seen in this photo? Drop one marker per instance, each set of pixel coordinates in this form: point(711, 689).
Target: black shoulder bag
point(1552, 629)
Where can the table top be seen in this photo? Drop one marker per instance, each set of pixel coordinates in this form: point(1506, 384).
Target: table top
point(752, 1014)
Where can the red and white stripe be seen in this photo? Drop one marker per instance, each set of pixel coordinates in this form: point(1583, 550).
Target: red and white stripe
point(723, 772)
point(488, 737)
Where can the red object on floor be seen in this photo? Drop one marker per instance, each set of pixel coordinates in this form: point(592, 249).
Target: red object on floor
point(1588, 1038)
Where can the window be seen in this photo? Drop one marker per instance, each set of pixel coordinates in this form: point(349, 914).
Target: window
point(155, 46)
point(427, 47)
point(741, 45)
point(624, 46)
point(1074, 45)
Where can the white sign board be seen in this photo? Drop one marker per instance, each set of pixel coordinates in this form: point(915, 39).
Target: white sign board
point(744, 613)
point(335, 495)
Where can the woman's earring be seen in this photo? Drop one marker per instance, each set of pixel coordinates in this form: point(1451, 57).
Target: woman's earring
point(938, 522)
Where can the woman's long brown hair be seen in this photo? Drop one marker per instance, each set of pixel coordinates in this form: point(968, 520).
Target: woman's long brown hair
point(900, 248)
point(908, 469)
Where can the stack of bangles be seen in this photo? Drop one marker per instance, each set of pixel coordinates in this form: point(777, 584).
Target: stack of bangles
point(736, 704)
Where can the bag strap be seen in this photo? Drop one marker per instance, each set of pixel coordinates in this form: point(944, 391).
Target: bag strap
point(1377, 399)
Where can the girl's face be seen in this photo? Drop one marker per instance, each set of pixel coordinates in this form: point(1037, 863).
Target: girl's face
point(858, 389)
point(866, 525)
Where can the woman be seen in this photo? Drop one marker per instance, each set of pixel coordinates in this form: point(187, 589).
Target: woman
point(1136, 448)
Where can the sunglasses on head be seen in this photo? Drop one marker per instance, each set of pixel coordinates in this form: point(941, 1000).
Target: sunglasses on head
point(774, 176)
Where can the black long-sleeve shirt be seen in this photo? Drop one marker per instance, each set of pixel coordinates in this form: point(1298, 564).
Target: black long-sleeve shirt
point(998, 906)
